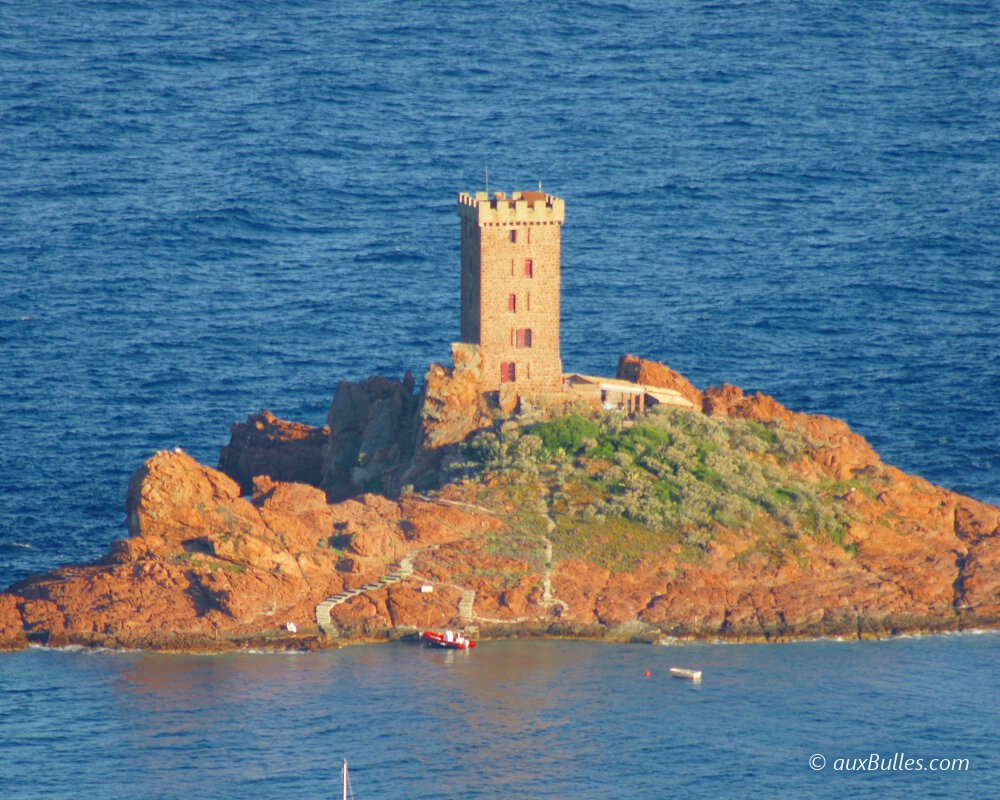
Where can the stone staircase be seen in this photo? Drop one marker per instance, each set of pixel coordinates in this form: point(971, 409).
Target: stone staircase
point(403, 571)
point(465, 606)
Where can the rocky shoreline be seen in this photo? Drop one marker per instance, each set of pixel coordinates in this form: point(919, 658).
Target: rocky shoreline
point(594, 538)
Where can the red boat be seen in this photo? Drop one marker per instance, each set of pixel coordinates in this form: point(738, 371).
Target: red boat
point(448, 639)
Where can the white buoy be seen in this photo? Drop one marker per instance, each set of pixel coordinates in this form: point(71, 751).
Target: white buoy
point(687, 674)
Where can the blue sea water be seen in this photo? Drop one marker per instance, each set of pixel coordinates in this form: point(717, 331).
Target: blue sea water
point(508, 719)
point(209, 208)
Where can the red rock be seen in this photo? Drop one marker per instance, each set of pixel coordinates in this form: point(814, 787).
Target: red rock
point(12, 635)
point(974, 520)
point(452, 402)
point(372, 434)
point(578, 583)
point(451, 406)
point(371, 523)
point(978, 587)
point(206, 569)
point(298, 512)
point(408, 606)
point(651, 373)
point(284, 451)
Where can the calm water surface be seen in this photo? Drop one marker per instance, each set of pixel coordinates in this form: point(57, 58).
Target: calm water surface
point(509, 719)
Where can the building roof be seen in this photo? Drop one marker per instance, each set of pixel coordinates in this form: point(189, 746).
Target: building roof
point(666, 396)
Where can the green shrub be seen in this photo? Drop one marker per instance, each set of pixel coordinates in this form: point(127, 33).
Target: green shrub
point(568, 433)
point(672, 479)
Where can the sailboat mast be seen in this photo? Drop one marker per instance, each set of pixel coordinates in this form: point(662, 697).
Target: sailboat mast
point(343, 780)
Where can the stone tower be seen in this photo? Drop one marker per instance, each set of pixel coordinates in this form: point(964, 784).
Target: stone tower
point(510, 287)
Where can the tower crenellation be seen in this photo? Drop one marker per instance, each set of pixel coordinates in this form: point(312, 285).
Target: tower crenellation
point(535, 208)
point(511, 264)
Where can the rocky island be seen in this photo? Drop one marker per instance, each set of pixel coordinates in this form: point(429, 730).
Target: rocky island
point(718, 516)
point(508, 498)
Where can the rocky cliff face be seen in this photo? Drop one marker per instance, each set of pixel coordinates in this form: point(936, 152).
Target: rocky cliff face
point(201, 564)
point(380, 436)
point(204, 568)
point(265, 445)
point(372, 435)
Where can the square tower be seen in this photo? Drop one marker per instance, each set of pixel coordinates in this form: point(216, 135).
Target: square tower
point(510, 287)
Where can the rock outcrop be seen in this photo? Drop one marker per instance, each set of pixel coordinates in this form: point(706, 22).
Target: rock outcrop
point(372, 435)
point(383, 437)
point(452, 405)
point(651, 373)
point(202, 566)
point(205, 569)
point(265, 445)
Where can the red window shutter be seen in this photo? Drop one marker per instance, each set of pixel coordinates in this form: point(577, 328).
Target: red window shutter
point(527, 337)
point(512, 303)
point(507, 372)
point(529, 268)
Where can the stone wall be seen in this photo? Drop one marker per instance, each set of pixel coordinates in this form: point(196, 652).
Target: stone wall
point(510, 286)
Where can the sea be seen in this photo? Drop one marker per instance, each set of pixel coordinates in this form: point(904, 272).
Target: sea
point(212, 208)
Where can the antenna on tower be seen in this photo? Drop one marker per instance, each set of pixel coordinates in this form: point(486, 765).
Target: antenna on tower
point(487, 179)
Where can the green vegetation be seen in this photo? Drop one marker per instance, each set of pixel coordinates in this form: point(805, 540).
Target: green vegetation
point(618, 491)
point(616, 543)
point(339, 542)
point(198, 559)
point(568, 434)
point(508, 547)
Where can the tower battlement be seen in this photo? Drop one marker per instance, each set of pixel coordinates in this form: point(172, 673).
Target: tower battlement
point(521, 208)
